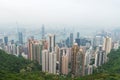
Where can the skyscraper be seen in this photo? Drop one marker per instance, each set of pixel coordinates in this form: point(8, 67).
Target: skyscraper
point(74, 51)
point(30, 41)
point(107, 45)
point(57, 52)
point(51, 43)
point(78, 35)
point(43, 31)
point(100, 57)
point(52, 62)
point(18, 50)
point(57, 58)
point(77, 40)
point(98, 40)
point(88, 56)
point(6, 40)
point(68, 42)
point(20, 37)
point(61, 51)
point(77, 59)
point(35, 50)
point(49, 61)
point(80, 62)
point(45, 61)
point(65, 64)
point(71, 39)
point(1, 41)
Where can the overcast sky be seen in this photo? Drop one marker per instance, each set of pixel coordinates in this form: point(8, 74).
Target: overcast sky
point(80, 12)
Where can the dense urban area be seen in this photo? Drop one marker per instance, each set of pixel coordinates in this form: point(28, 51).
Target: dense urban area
point(71, 57)
point(59, 39)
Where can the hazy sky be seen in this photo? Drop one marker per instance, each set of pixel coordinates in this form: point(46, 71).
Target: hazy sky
point(80, 12)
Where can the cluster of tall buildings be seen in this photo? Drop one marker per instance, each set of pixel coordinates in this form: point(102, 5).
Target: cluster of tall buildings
point(12, 47)
point(35, 50)
point(76, 56)
point(103, 45)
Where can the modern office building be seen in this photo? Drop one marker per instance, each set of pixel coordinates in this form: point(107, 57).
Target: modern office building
point(84, 41)
point(20, 37)
point(43, 31)
point(78, 35)
point(77, 40)
point(5, 40)
point(1, 41)
point(68, 42)
point(71, 39)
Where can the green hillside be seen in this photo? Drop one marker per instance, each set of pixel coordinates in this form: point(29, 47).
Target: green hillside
point(18, 68)
point(11, 63)
point(113, 65)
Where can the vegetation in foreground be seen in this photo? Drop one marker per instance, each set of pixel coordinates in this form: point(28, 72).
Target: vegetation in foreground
point(18, 68)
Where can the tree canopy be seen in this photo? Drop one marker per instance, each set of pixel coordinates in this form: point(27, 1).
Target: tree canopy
point(18, 68)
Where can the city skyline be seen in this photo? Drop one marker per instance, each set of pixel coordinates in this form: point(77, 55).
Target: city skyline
point(59, 39)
